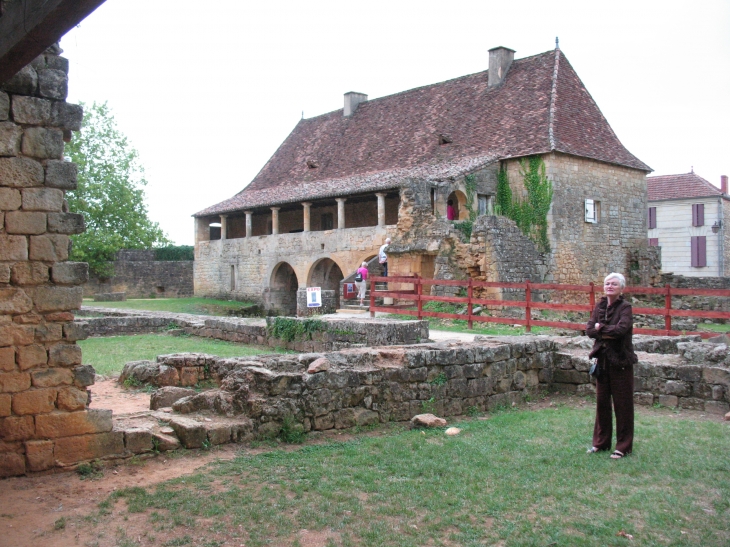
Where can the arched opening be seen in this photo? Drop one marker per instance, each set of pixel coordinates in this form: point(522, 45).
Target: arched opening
point(458, 202)
point(326, 274)
point(283, 289)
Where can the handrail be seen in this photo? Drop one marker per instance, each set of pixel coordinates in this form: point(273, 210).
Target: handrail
point(416, 294)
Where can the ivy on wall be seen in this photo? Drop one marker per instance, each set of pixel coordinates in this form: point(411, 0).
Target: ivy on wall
point(530, 214)
point(466, 226)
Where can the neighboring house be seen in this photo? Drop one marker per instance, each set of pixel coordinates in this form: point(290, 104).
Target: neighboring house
point(688, 219)
point(343, 181)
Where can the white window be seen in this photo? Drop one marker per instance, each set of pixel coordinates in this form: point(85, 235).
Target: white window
point(482, 204)
point(593, 211)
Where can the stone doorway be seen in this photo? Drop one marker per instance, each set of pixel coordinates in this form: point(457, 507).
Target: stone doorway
point(283, 289)
point(326, 274)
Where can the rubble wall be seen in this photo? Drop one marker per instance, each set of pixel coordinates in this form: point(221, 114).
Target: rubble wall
point(43, 417)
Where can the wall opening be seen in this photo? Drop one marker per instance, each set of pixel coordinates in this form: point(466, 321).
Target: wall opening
point(326, 274)
point(233, 277)
point(283, 291)
point(458, 202)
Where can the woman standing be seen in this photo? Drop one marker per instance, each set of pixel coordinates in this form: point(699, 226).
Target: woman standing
point(611, 325)
point(362, 285)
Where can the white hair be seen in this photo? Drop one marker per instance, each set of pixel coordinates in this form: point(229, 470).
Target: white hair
point(387, 240)
point(364, 265)
point(620, 277)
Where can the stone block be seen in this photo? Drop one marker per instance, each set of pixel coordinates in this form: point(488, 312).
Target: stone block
point(192, 434)
point(65, 424)
point(57, 298)
point(716, 375)
point(53, 84)
point(67, 116)
point(4, 106)
point(138, 440)
point(56, 62)
point(29, 273)
point(22, 222)
point(10, 199)
point(75, 331)
point(218, 433)
point(668, 400)
point(5, 404)
point(13, 247)
point(680, 389)
point(7, 359)
point(691, 403)
point(24, 82)
point(63, 316)
point(189, 376)
point(66, 223)
point(84, 375)
point(31, 356)
point(4, 268)
point(35, 401)
point(64, 355)
point(14, 301)
point(49, 248)
point(71, 399)
point(10, 138)
point(14, 382)
point(31, 318)
point(70, 273)
point(16, 335)
point(12, 464)
point(570, 377)
point(31, 110)
point(168, 395)
point(645, 399)
point(165, 442)
point(42, 142)
point(717, 407)
point(39, 455)
point(52, 377)
point(42, 199)
point(70, 450)
point(20, 172)
point(61, 174)
point(48, 332)
point(17, 428)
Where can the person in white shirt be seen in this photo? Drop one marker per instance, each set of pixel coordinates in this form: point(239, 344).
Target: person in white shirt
point(383, 258)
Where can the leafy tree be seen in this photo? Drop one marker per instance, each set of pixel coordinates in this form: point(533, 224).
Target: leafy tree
point(110, 193)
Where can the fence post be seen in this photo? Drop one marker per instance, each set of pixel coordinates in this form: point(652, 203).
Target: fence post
point(469, 305)
point(528, 310)
point(372, 296)
point(592, 296)
point(419, 293)
point(667, 307)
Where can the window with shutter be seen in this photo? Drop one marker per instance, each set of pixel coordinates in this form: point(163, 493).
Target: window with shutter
point(698, 246)
point(653, 242)
point(591, 212)
point(652, 217)
point(698, 214)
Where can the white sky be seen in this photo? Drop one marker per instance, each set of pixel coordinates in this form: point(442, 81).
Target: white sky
point(206, 91)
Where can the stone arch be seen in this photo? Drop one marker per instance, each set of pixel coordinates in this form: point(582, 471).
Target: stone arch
point(283, 289)
point(326, 273)
point(459, 199)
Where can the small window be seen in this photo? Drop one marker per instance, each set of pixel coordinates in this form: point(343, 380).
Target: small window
point(327, 221)
point(233, 277)
point(651, 218)
point(653, 242)
point(698, 214)
point(482, 204)
point(699, 251)
point(593, 211)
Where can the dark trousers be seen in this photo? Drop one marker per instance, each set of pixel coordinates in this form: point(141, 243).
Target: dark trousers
point(385, 269)
point(616, 385)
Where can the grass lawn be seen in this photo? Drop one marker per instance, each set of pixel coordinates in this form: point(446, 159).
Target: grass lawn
point(520, 478)
point(109, 354)
point(198, 306)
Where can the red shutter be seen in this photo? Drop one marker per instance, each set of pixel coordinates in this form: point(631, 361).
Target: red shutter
point(653, 242)
point(693, 244)
point(652, 217)
point(698, 214)
point(699, 251)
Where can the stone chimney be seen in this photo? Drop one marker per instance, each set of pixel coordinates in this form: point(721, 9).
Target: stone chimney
point(500, 59)
point(352, 99)
point(723, 184)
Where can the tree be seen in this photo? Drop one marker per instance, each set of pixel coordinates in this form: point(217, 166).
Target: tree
point(110, 193)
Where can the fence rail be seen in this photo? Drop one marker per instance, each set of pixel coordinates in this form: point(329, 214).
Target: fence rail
point(417, 298)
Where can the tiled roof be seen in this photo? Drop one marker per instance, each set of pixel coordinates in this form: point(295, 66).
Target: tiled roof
point(541, 106)
point(687, 185)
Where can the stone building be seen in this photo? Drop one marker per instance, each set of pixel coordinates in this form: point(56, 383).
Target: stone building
point(343, 181)
point(688, 218)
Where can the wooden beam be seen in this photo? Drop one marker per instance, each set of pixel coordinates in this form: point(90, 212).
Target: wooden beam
point(28, 27)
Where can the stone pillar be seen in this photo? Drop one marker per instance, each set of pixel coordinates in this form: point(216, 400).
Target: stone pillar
point(202, 230)
point(224, 226)
point(275, 220)
point(249, 228)
point(43, 417)
point(341, 213)
point(307, 218)
point(381, 209)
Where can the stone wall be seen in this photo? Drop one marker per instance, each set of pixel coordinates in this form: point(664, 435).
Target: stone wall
point(43, 416)
point(139, 275)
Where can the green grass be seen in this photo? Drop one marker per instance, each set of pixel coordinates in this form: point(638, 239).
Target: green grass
point(714, 327)
point(109, 354)
point(198, 306)
point(520, 478)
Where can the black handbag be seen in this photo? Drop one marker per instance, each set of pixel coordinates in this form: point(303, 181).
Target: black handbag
point(358, 277)
point(595, 370)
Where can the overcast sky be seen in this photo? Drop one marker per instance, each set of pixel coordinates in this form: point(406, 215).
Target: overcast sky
point(206, 91)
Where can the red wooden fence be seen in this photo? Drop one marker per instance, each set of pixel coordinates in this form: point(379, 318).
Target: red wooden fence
point(416, 296)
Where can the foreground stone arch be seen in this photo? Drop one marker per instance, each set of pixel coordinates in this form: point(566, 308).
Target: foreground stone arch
point(283, 285)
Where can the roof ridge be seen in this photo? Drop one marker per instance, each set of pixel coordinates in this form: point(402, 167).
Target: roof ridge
point(553, 95)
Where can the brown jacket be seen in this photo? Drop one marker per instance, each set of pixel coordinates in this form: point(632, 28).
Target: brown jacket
point(613, 343)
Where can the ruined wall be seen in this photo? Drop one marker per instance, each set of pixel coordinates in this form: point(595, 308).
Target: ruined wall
point(43, 417)
point(139, 275)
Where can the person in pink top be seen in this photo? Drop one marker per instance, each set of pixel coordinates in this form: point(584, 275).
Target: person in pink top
point(450, 211)
point(362, 271)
